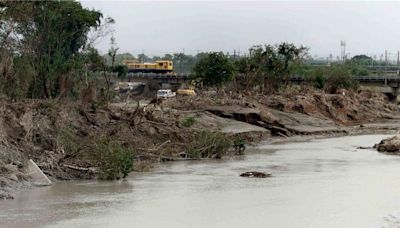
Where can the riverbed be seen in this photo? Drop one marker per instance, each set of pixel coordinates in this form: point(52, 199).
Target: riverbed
point(317, 183)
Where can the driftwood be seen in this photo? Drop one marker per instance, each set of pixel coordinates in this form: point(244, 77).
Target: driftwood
point(255, 174)
point(89, 118)
point(154, 122)
point(157, 148)
point(93, 170)
point(165, 158)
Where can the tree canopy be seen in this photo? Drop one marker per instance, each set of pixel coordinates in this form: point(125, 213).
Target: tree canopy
point(271, 63)
point(49, 36)
point(214, 69)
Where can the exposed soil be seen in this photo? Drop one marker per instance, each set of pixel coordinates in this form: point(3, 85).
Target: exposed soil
point(302, 112)
point(35, 130)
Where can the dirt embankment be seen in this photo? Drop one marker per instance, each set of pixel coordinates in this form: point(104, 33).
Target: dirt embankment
point(304, 112)
point(60, 137)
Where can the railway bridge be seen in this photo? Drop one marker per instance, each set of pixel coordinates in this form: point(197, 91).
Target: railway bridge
point(388, 84)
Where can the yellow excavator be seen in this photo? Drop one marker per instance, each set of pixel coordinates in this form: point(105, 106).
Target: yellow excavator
point(187, 90)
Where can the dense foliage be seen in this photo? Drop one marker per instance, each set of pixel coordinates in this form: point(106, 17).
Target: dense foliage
point(269, 66)
point(339, 77)
point(41, 44)
point(214, 69)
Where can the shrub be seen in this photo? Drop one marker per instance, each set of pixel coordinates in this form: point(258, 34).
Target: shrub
point(319, 82)
point(339, 77)
point(115, 161)
point(122, 70)
point(67, 140)
point(188, 122)
point(239, 145)
point(317, 78)
point(207, 144)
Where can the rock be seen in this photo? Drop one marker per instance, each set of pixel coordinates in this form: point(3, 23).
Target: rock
point(152, 131)
point(390, 145)
point(38, 177)
point(5, 196)
point(255, 174)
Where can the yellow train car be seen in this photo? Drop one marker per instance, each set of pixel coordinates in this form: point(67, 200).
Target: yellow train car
point(160, 66)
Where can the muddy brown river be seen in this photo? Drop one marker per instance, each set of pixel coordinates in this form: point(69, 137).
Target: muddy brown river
point(319, 183)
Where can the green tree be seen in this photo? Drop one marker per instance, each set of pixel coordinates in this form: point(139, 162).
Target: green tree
point(275, 61)
point(214, 69)
point(339, 77)
point(362, 60)
point(168, 57)
point(51, 33)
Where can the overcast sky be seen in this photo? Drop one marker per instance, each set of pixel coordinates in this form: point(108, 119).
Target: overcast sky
point(161, 27)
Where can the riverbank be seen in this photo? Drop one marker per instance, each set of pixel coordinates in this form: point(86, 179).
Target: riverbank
point(62, 137)
point(179, 194)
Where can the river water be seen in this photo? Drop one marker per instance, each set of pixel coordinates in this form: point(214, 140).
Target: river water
point(319, 183)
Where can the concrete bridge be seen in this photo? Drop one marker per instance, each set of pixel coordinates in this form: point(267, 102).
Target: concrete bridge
point(384, 69)
point(387, 84)
point(167, 81)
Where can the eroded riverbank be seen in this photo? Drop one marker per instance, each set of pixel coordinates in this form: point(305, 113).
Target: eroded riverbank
point(64, 139)
point(318, 183)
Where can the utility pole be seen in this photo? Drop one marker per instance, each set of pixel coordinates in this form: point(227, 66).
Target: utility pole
point(343, 50)
point(398, 58)
point(386, 57)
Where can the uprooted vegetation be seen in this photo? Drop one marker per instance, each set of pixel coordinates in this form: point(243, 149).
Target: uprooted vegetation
point(208, 144)
point(71, 141)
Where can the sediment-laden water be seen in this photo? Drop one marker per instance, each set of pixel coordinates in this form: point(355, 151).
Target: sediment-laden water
point(320, 183)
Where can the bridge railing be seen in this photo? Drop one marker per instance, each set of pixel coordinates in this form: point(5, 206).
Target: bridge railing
point(366, 78)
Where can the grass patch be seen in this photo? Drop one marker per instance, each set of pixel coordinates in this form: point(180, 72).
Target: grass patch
point(189, 121)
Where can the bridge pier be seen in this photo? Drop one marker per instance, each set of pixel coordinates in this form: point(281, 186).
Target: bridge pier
point(395, 94)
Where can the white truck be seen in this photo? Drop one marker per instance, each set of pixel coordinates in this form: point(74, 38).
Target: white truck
point(165, 93)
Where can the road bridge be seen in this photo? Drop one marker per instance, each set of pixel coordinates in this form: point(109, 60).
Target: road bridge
point(387, 84)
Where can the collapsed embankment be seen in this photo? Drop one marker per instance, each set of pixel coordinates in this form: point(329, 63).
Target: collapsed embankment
point(303, 112)
point(63, 139)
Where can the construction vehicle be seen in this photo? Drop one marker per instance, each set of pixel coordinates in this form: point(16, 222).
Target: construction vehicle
point(187, 91)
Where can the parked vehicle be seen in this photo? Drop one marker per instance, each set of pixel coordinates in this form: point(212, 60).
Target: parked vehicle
point(165, 93)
